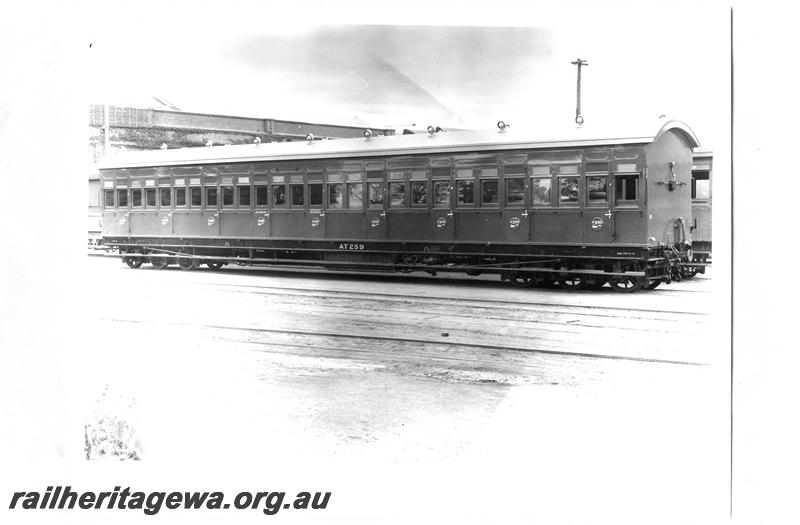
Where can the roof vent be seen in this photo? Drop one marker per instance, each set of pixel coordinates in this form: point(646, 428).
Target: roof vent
point(209, 143)
point(257, 141)
point(502, 125)
point(367, 133)
point(310, 138)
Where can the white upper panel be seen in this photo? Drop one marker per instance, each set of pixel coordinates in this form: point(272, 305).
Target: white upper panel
point(416, 144)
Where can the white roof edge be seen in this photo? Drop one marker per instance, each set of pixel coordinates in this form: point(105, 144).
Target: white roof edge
point(415, 144)
point(683, 128)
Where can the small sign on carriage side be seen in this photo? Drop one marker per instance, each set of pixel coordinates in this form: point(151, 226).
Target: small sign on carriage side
point(514, 223)
point(597, 223)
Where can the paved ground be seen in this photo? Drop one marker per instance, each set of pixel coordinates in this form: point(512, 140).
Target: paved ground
point(470, 396)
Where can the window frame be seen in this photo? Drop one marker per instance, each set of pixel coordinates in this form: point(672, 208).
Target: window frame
point(404, 184)
point(126, 194)
point(382, 185)
point(321, 185)
point(486, 180)
point(161, 194)
point(341, 193)
point(597, 203)
point(436, 183)
point(515, 178)
point(348, 185)
point(628, 203)
point(257, 186)
point(302, 194)
point(207, 189)
point(106, 192)
point(190, 202)
point(176, 191)
point(426, 184)
point(273, 196)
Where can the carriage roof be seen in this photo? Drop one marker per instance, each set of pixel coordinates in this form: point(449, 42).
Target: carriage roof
point(412, 144)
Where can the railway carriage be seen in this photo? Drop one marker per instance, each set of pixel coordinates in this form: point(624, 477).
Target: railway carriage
point(575, 209)
point(701, 211)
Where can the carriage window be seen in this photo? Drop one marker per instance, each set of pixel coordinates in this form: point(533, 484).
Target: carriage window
point(489, 191)
point(335, 196)
point(261, 196)
point(166, 196)
point(108, 198)
point(227, 195)
point(568, 190)
point(419, 193)
point(315, 194)
point(150, 197)
point(466, 192)
point(541, 191)
point(701, 185)
point(211, 196)
point(355, 195)
point(196, 195)
point(441, 193)
point(136, 198)
point(597, 190)
point(244, 196)
point(298, 194)
point(515, 192)
point(627, 187)
point(122, 198)
point(397, 194)
point(279, 194)
point(376, 191)
point(180, 196)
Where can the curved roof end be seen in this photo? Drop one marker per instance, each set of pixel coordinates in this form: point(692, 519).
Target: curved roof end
point(683, 129)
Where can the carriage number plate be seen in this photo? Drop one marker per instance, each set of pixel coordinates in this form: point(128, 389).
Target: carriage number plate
point(350, 246)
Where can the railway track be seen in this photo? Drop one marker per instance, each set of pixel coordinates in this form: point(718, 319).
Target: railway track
point(479, 320)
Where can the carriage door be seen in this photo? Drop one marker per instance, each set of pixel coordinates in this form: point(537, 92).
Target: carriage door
point(261, 201)
point(375, 224)
point(516, 224)
point(628, 219)
point(164, 215)
point(442, 220)
point(315, 216)
point(211, 218)
point(116, 219)
point(599, 223)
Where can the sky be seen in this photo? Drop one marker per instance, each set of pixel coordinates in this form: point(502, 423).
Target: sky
point(418, 64)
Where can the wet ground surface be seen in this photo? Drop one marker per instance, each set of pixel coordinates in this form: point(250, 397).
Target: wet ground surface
point(613, 400)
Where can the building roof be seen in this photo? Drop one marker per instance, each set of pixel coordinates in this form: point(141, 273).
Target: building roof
point(438, 143)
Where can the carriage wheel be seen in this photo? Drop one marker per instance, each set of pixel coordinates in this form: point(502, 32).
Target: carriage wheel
point(159, 263)
point(521, 280)
point(626, 284)
point(133, 262)
point(573, 282)
point(186, 263)
point(215, 265)
point(687, 272)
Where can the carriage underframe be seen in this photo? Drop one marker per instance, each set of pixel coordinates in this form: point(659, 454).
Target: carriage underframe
point(625, 268)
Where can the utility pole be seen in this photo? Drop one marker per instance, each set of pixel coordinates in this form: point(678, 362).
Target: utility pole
point(579, 62)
